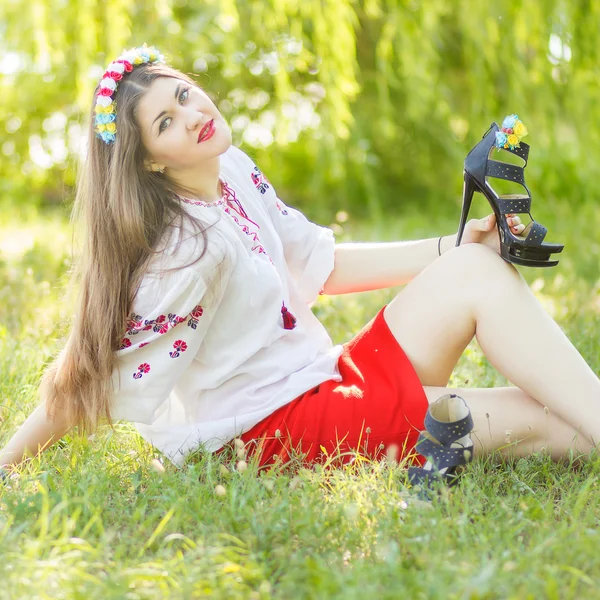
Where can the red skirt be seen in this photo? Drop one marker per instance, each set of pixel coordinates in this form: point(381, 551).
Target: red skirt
point(376, 410)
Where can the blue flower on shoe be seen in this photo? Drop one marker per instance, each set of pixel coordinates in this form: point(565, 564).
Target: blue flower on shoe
point(501, 139)
point(509, 122)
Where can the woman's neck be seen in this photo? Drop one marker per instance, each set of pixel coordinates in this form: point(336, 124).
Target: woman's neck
point(200, 183)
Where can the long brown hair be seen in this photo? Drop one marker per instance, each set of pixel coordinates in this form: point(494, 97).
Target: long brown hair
point(124, 209)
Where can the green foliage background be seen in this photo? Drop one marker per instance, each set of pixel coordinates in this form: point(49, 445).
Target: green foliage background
point(371, 104)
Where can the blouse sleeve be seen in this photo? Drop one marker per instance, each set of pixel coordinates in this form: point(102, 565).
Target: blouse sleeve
point(169, 319)
point(309, 248)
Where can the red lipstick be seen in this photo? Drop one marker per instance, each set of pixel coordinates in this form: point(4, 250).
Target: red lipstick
point(207, 131)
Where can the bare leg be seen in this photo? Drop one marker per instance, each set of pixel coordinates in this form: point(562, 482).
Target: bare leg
point(470, 291)
point(496, 428)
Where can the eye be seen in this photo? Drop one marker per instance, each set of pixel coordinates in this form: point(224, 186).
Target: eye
point(182, 98)
point(162, 125)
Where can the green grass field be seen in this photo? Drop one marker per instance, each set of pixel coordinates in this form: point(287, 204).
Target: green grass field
point(99, 518)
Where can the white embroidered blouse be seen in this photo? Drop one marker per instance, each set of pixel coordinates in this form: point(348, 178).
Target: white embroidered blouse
point(215, 347)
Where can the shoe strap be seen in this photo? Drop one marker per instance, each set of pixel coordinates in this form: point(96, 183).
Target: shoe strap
point(446, 433)
point(536, 235)
point(502, 170)
point(442, 456)
point(513, 205)
point(522, 151)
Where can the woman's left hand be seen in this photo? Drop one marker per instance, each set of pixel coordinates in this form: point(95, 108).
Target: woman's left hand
point(484, 231)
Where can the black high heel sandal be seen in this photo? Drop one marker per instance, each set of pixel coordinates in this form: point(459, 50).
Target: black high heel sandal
point(446, 443)
point(528, 248)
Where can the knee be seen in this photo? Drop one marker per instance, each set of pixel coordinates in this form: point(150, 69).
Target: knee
point(478, 258)
point(481, 267)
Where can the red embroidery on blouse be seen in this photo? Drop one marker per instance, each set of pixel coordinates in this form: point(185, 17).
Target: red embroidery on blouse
point(195, 316)
point(235, 210)
point(233, 207)
point(160, 325)
point(259, 180)
point(142, 369)
point(180, 346)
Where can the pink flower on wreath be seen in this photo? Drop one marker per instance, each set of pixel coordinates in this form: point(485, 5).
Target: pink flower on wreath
point(180, 346)
point(125, 343)
point(142, 369)
point(112, 75)
point(128, 66)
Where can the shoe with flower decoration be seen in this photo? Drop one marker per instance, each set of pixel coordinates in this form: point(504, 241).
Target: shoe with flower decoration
point(528, 248)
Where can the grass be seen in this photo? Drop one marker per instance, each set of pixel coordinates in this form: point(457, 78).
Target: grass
point(102, 518)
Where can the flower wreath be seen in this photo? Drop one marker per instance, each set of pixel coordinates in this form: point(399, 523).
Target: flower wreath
point(106, 107)
point(511, 132)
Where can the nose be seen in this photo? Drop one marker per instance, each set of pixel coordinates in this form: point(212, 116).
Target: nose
point(195, 119)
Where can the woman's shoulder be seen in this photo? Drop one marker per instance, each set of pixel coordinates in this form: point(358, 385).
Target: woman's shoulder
point(235, 157)
point(235, 163)
point(239, 168)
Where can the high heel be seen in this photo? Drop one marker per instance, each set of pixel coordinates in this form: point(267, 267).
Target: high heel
point(528, 248)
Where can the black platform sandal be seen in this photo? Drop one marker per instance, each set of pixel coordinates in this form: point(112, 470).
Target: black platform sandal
point(529, 248)
point(446, 443)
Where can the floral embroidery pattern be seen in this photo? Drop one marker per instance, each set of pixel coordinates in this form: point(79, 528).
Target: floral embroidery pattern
point(235, 210)
point(180, 346)
point(195, 316)
point(142, 369)
point(259, 180)
point(160, 325)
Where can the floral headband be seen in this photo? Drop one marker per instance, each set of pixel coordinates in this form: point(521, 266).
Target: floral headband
point(106, 107)
point(511, 133)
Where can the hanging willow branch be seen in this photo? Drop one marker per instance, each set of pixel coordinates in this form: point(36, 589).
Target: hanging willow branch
point(400, 89)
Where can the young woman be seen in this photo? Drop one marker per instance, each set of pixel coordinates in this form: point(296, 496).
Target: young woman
point(193, 319)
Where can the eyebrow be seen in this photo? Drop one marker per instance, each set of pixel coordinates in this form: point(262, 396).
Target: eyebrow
point(164, 112)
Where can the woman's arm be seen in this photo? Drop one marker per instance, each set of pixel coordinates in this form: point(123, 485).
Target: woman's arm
point(360, 267)
point(37, 434)
point(363, 267)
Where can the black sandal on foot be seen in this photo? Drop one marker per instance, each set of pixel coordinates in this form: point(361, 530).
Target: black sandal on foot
point(446, 442)
point(528, 248)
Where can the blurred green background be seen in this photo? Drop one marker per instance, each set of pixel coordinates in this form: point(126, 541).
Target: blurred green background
point(371, 105)
point(359, 112)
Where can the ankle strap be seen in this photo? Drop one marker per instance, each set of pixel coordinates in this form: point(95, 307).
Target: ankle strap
point(502, 170)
